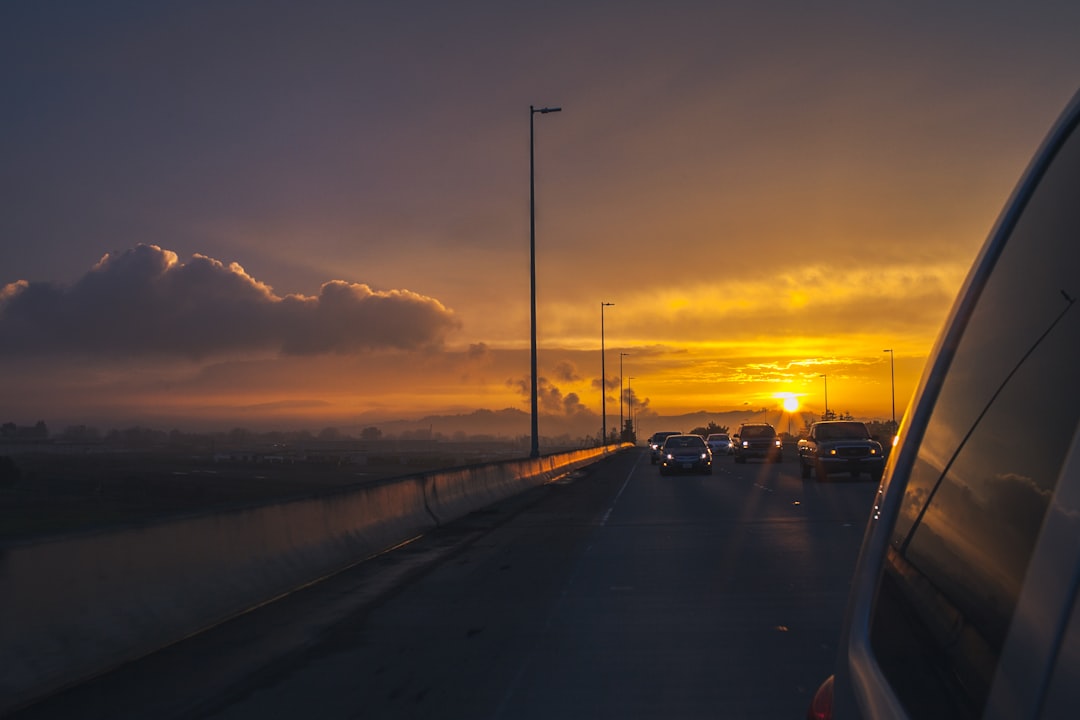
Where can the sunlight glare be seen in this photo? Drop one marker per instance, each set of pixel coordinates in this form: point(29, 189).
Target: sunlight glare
point(790, 402)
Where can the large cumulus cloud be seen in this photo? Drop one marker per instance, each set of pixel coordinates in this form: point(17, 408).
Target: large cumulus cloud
point(144, 301)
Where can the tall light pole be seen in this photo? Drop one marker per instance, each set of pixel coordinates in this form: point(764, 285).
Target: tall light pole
point(826, 416)
point(603, 378)
point(630, 404)
point(535, 452)
point(622, 425)
point(892, 374)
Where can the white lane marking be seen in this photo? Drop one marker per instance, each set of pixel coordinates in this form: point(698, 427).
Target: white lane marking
point(618, 495)
point(556, 608)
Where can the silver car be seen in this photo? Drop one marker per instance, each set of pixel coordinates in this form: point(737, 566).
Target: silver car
point(719, 444)
point(966, 596)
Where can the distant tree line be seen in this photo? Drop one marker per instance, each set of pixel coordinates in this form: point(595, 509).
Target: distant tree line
point(10, 432)
point(710, 429)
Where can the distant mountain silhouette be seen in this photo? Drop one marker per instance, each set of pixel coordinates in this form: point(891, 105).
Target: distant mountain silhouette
point(512, 423)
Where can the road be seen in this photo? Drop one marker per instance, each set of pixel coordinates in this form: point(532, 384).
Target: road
point(613, 593)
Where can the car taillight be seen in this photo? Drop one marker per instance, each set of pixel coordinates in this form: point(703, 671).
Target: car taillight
point(821, 704)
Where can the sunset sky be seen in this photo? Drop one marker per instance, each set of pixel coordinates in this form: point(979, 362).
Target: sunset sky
point(310, 214)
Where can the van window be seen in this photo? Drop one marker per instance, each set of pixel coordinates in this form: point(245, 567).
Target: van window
point(987, 465)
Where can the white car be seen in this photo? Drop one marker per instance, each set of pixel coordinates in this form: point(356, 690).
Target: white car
point(720, 444)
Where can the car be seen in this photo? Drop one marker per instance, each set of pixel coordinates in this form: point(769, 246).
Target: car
point(965, 599)
point(834, 446)
point(685, 453)
point(656, 442)
point(757, 440)
point(719, 444)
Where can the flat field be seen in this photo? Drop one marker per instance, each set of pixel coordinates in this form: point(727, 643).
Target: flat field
point(64, 492)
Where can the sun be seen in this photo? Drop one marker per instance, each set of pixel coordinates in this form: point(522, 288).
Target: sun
point(791, 403)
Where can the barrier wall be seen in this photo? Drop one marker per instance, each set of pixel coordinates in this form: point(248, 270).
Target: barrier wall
point(73, 607)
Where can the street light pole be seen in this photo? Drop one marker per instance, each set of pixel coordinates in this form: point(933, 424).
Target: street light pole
point(892, 374)
point(630, 404)
point(622, 424)
point(603, 378)
point(535, 451)
point(826, 417)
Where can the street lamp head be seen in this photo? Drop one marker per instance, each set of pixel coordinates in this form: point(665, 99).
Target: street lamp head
point(607, 304)
point(545, 111)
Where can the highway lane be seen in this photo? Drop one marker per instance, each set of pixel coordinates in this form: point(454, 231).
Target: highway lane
point(616, 593)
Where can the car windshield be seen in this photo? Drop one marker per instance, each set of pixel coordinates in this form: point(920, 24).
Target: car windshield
point(719, 437)
point(757, 431)
point(683, 441)
point(842, 431)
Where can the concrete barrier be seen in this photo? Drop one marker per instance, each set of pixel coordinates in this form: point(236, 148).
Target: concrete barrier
point(455, 493)
point(74, 607)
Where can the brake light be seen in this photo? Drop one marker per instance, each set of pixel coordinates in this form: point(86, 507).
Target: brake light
point(821, 704)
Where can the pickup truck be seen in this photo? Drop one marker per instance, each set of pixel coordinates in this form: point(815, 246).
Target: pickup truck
point(757, 440)
point(835, 446)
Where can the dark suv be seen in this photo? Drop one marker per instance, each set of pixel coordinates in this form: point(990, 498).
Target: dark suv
point(966, 596)
point(656, 443)
point(757, 440)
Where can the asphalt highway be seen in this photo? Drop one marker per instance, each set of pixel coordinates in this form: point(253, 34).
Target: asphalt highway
point(612, 593)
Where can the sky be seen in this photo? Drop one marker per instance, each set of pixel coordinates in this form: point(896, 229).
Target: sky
point(314, 214)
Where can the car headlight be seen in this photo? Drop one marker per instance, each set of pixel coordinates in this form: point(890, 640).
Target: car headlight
point(779, 443)
point(704, 455)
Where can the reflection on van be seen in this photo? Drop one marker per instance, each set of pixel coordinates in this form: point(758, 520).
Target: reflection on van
point(964, 600)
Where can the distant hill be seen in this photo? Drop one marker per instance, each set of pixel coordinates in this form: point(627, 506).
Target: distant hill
point(512, 423)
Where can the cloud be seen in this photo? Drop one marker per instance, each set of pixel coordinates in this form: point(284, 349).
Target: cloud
point(144, 301)
point(567, 372)
point(749, 305)
point(572, 405)
point(479, 351)
point(549, 397)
